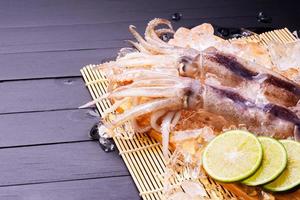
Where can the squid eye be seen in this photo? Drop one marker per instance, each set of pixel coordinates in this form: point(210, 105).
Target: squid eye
point(187, 67)
point(183, 66)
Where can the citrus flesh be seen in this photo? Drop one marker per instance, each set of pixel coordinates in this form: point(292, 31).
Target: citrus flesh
point(232, 156)
point(273, 163)
point(290, 177)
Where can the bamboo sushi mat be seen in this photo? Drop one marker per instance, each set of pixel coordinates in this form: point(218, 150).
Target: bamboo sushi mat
point(142, 154)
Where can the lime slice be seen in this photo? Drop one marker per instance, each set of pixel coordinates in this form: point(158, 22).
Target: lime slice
point(290, 177)
point(232, 156)
point(273, 164)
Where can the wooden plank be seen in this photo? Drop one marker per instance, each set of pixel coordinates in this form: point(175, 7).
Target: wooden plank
point(115, 188)
point(45, 127)
point(23, 14)
point(59, 162)
point(105, 35)
point(45, 94)
point(45, 38)
point(87, 36)
point(65, 25)
point(43, 64)
point(292, 22)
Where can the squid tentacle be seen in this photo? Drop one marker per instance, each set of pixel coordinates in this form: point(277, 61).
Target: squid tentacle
point(116, 105)
point(154, 117)
point(176, 119)
point(165, 130)
point(138, 75)
point(163, 31)
point(136, 127)
point(138, 46)
point(150, 47)
point(148, 107)
point(152, 37)
point(153, 92)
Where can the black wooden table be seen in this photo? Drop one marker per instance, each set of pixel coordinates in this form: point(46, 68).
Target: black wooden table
point(45, 150)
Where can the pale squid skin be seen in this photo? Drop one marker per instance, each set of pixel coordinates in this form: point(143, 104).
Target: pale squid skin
point(168, 79)
point(190, 94)
point(249, 78)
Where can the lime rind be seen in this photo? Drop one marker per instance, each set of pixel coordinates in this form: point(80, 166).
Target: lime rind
point(270, 168)
point(290, 177)
point(255, 155)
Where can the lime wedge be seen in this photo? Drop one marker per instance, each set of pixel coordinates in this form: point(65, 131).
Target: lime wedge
point(232, 156)
point(273, 163)
point(290, 177)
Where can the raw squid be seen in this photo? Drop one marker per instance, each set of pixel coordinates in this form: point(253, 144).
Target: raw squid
point(190, 94)
point(161, 81)
point(249, 78)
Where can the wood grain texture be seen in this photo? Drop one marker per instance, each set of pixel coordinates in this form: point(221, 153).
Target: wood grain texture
point(49, 64)
point(53, 39)
point(45, 94)
point(106, 35)
point(45, 127)
point(115, 188)
point(70, 37)
point(66, 12)
point(58, 162)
